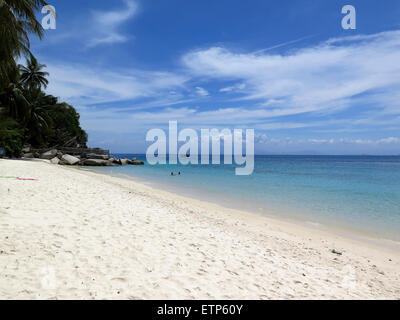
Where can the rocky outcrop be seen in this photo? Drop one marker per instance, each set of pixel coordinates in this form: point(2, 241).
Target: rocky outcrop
point(87, 153)
point(78, 156)
point(132, 162)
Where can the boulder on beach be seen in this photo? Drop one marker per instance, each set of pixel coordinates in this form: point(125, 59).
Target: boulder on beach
point(29, 155)
point(55, 161)
point(49, 154)
point(70, 160)
point(26, 149)
point(96, 162)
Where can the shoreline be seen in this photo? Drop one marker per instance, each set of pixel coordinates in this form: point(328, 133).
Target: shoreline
point(180, 248)
point(341, 231)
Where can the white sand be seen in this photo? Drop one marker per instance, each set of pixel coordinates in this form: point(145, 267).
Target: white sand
point(75, 234)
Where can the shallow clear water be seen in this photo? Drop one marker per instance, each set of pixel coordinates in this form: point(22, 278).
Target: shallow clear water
point(353, 192)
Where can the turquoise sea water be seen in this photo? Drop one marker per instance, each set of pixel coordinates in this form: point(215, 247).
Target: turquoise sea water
point(359, 193)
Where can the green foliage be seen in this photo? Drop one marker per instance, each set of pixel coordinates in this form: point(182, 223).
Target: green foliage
point(16, 105)
point(39, 124)
point(52, 123)
point(27, 114)
point(41, 119)
point(11, 137)
point(66, 127)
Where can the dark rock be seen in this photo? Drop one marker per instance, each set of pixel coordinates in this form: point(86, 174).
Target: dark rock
point(117, 162)
point(95, 162)
point(125, 161)
point(49, 154)
point(137, 163)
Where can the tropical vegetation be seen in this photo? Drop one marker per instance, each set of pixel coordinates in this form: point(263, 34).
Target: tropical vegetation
point(28, 115)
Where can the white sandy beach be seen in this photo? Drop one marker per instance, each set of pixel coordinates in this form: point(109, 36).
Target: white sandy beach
point(74, 234)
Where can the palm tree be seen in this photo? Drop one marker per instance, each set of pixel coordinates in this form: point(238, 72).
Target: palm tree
point(39, 123)
point(32, 76)
point(14, 103)
point(17, 21)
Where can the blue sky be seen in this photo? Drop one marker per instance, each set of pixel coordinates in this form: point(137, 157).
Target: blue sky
point(284, 68)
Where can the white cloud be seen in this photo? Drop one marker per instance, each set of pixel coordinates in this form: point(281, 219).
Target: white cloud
point(240, 86)
point(201, 91)
point(329, 77)
point(82, 85)
point(264, 139)
point(389, 140)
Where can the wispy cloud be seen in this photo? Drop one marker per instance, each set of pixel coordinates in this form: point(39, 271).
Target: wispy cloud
point(236, 87)
point(201, 91)
point(83, 85)
point(328, 77)
point(106, 24)
point(280, 45)
point(89, 29)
